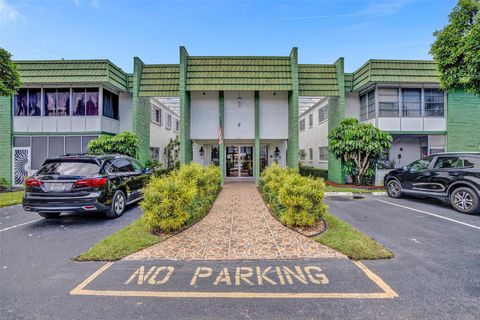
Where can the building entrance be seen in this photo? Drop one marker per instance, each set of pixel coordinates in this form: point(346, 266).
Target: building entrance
point(239, 161)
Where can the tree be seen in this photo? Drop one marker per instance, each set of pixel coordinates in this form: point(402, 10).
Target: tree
point(171, 153)
point(123, 143)
point(9, 77)
point(359, 145)
point(457, 48)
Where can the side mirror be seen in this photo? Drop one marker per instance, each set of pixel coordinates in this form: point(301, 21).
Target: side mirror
point(405, 169)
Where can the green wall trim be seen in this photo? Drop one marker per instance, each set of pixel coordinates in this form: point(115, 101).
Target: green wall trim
point(256, 151)
point(336, 113)
point(293, 132)
point(6, 127)
point(221, 113)
point(83, 133)
point(186, 150)
point(417, 132)
point(140, 113)
point(463, 115)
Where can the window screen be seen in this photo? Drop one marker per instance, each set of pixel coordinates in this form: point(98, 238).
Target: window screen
point(55, 146)
point(39, 151)
point(21, 141)
point(73, 145)
point(85, 140)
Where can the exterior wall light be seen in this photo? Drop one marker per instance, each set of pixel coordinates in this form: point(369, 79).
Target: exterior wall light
point(274, 93)
point(201, 152)
point(276, 152)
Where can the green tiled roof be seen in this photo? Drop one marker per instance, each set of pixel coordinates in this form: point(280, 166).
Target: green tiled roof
point(73, 72)
point(239, 73)
point(395, 71)
point(317, 80)
point(348, 81)
point(160, 80)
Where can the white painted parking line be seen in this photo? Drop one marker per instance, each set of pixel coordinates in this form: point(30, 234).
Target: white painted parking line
point(431, 214)
point(19, 225)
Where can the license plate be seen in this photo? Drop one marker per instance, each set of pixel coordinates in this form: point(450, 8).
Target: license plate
point(58, 186)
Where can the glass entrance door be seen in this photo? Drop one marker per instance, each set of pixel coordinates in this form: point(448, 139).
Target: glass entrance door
point(239, 161)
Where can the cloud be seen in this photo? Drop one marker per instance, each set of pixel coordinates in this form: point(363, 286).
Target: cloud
point(8, 13)
point(373, 9)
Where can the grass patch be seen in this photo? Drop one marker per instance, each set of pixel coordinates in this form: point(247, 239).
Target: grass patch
point(126, 241)
point(344, 238)
point(10, 198)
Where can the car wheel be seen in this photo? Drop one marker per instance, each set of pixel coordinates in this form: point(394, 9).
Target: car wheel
point(394, 189)
point(465, 200)
point(49, 215)
point(117, 208)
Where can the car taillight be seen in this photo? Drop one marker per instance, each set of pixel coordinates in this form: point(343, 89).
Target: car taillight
point(30, 182)
point(91, 183)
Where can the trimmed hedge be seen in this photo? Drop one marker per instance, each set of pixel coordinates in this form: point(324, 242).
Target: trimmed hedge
point(295, 200)
point(313, 172)
point(180, 198)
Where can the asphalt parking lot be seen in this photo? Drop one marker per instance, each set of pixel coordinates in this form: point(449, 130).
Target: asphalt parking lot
point(434, 272)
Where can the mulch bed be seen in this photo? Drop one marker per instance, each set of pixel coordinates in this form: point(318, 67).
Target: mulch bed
point(314, 230)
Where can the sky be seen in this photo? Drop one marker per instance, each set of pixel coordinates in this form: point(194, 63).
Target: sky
point(153, 30)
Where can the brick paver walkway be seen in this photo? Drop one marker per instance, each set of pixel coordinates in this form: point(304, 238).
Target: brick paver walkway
point(239, 226)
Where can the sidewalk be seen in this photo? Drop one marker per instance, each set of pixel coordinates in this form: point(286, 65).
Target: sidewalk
point(239, 226)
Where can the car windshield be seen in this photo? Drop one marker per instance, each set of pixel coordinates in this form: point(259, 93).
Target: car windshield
point(69, 168)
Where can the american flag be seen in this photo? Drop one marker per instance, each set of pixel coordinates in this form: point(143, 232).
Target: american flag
point(220, 135)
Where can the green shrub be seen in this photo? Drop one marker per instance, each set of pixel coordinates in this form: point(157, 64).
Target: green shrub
point(161, 172)
point(295, 200)
point(313, 172)
point(3, 184)
point(180, 198)
point(123, 143)
point(303, 199)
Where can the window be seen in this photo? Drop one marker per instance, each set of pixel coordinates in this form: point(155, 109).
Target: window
point(323, 153)
point(471, 162)
point(302, 154)
point(302, 125)
point(156, 114)
point(412, 102)
point(137, 167)
point(85, 102)
point(388, 105)
point(110, 104)
point(310, 154)
point(434, 103)
point(155, 153)
point(363, 108)
point(322, 114)
point(69, 168)
point(177, 125)
point(448, 162)
point(92, 102)
point(310, 120)
point(123, 165)
point(420, 165)
point(169, 121)
point(371, 104)
point(57, 102)
point(27, 103)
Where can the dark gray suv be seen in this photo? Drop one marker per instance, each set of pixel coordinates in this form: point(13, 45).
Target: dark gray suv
point(454, 177)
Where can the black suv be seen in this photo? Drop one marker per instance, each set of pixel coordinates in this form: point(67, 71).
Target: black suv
point(79, 183)
point(454, 177)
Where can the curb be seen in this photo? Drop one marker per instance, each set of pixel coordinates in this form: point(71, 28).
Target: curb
point(335, 194)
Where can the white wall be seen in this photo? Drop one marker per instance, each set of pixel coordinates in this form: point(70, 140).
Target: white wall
point(352, 105)
point(204, 115)
point(408, 148)
point(273, 115)
point(125, 108)
point(239, 115)
point(160, 135)
point(314, 137)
